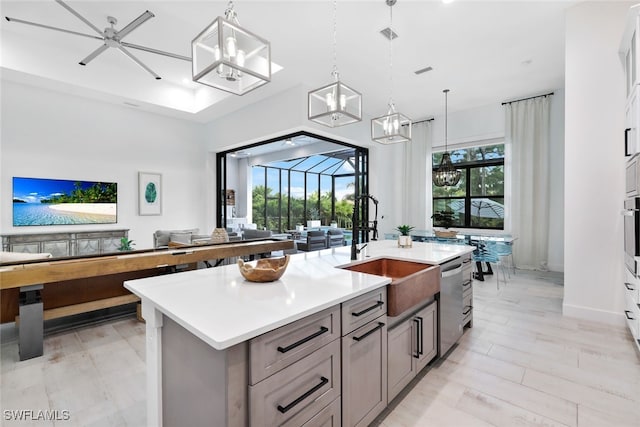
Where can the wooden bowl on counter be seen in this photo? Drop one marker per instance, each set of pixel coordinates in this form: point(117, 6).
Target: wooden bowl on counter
point(265, 270)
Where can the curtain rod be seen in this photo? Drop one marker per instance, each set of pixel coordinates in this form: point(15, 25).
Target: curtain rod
point(430, 119)
point(524, 99)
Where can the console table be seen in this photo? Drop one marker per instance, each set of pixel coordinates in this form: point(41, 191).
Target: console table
point(64, 244)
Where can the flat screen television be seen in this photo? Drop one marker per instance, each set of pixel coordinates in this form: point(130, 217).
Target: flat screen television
point(42, 201)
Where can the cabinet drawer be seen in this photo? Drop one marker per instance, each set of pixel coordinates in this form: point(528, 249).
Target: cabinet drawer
point(281, 347)
point(330, 416)
point(632, 315)
point(467, 288)
point(363, 309)
point(467, 306)
point(632, 286)
point(299, 391)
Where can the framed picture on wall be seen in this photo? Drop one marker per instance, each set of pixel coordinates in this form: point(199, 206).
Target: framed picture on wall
point(149, 193)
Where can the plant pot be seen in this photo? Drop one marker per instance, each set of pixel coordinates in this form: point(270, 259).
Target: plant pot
point(334, 224)
point(447, 234)
point(404, 242)
point(300, 227)
point(314, 223)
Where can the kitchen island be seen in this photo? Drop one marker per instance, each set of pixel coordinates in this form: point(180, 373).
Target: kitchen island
point(203, 328)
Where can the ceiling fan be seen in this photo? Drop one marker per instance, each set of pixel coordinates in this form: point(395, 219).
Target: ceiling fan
point(110, 37)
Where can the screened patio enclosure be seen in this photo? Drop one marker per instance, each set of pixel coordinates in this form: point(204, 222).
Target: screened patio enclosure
point(294, 179)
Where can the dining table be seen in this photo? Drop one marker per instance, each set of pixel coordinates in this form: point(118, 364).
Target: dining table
point(467, 237)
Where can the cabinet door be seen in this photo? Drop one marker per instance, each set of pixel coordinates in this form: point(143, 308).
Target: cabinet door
point(427, 323)
point(400, 356)
point(364, 373)
point(632, 119)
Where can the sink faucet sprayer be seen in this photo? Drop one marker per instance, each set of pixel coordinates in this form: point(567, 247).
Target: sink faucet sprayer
point(355, 250)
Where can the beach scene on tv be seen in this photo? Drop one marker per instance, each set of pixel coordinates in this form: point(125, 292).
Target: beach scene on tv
point(40, 201)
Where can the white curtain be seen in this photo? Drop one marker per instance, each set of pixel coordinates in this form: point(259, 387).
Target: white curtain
point(527, 131)
point(416, 181)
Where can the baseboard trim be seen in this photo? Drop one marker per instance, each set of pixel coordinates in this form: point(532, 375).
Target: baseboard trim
point(588, 313)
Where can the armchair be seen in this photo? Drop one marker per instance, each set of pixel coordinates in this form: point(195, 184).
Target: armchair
point(335, 237)
point(316, 240)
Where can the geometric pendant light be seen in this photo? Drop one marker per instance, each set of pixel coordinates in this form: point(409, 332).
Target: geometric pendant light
point(228, 57)
point(393, 127)
point(335, 104)
point(446, 175)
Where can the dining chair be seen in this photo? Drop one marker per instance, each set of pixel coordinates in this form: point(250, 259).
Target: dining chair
point(505, 250)
point(486, 251)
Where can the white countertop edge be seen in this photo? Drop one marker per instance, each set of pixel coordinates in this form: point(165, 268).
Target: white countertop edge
point(225, 344)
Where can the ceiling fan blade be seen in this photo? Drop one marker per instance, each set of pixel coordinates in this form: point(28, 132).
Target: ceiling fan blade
point(93, 54)
point(159, 52)
point(135, 24)
point(137, 61)
point(48, 27)
point(80, 17)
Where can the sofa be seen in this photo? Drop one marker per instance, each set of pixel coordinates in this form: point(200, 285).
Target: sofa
point(248, 234)
point(161, 238)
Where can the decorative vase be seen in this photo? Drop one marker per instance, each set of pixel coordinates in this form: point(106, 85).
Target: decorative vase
point(219, 235)
point(404, 242)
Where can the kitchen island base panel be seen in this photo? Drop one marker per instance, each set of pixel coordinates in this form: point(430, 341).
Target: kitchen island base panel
point(191, 395)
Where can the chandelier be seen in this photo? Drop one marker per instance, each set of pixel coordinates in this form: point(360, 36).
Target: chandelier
point(446, 175)
point(335, 104)
point(228, 57)
point(394, 127)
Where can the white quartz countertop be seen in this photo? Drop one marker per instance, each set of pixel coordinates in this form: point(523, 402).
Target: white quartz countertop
point(223, 309)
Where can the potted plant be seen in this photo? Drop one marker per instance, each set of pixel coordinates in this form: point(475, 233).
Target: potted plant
point(404, 239)
point(313, 217)
point(125, 245)
point(299, 227)
point(445, 218)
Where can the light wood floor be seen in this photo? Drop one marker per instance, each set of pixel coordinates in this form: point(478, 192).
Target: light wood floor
point(521, 364)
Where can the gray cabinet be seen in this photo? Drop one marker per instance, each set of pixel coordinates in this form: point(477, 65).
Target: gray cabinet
point(330, 416)
point(364, 359)
point(65, 244)
point(412, 344)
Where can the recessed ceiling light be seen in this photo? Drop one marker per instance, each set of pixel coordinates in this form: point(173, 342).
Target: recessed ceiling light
point(423, 70)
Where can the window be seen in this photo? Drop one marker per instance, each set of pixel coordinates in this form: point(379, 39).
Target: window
point(478, 199)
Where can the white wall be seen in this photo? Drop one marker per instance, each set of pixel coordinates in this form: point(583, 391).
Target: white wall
point(49, 134)
point(594, 164)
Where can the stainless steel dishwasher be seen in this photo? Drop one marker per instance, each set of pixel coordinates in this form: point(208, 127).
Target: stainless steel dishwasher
point(451, 306)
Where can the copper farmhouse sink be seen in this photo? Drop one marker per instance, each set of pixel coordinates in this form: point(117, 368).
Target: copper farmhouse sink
point(411, 282)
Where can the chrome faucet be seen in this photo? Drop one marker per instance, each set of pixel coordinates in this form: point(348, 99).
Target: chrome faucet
point(355, 250)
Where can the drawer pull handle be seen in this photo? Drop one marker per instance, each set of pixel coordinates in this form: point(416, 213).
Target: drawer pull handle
point(366, 310)
point(629, 286)
point(361, 337)
point(464, 313)
point(464, 285)
point(417, 355)
point(322, 330)
point(626, 313)
point(285, 409)
point(420, 336)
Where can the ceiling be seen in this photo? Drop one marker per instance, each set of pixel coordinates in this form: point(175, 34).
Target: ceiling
point(484, 52)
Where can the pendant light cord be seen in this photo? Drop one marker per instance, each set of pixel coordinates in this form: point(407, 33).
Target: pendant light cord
point(335, 73)
point(391, 57)
point(446, 109)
